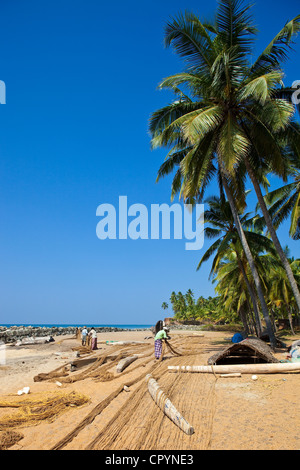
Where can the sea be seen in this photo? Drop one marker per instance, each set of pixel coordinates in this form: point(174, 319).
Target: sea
point(56, 325)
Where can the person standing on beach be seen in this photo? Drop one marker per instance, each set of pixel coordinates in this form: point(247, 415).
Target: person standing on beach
point(158, 342)
point(93, 335)
point(84, 334)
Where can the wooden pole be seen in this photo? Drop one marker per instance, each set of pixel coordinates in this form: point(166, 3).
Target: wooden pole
point(237, 374)
point(166, 406)
point(267, 368)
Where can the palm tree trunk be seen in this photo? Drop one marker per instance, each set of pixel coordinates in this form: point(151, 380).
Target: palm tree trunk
point(297, 322)
point(273, 234)
point(273, 320)
point(253, 322)
point(252, 295)
point(290, 319)
point(250, 259)
point(244, 320)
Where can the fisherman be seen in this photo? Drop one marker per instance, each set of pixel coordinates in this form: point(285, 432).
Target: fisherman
point(84, 334)
point(93, 336)
point(158, 341)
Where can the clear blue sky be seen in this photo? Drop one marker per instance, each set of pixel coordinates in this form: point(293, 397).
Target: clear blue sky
point(81, 80)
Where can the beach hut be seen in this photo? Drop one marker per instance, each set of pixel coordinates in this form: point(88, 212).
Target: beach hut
point(248, 351)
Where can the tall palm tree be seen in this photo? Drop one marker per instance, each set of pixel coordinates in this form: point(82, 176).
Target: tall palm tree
point(231, 285)
point(220, 224)
point(280, 292)
point(225, 110)
point(233, 291)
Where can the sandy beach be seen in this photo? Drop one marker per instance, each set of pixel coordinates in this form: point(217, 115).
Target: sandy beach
point(226, 413)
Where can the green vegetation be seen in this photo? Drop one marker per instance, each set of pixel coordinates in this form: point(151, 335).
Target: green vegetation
point(232, 121)
point(187, 309)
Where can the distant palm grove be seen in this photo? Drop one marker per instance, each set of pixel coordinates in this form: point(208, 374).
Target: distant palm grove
point(233, 123)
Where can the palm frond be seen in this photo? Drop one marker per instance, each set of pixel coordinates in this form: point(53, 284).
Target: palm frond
point(233, 145)
point(261, 88)
point(277, 51)
point(190, 39)
point(235, 25)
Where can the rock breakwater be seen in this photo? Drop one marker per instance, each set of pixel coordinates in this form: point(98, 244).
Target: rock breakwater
point(17, 333)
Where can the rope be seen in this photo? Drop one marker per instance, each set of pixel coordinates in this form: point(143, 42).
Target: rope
point(177, 353)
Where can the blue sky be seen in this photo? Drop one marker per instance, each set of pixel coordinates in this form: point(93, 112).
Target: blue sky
point(81, 80)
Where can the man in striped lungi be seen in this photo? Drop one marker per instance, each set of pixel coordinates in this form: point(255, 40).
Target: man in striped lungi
point(159, 337)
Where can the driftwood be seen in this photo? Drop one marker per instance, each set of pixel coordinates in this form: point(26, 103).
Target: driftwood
point(268, 368)
point(125, 362)
point(166, 406)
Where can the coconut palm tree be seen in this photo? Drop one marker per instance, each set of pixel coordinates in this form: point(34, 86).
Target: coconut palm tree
point(280, 292)
point(231, 285)
point(263, 127)
point(179, 306)
point(220, 224)
point(226, 115)
point(233, 291)
point(285, 201)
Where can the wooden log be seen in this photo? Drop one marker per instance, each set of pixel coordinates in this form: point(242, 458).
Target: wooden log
point(125, 362)
point(166, 406)
point(237, 374)
point(266, 368)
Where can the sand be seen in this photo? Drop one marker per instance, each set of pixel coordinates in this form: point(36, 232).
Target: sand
point(227, 413)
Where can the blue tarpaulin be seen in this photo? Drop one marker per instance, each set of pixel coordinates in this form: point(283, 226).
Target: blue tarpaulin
point(237, 338)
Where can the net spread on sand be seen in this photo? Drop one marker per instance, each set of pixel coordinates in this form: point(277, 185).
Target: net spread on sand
point(40, 407)
point(139, 423)
point(9, 438)
point(146, 429)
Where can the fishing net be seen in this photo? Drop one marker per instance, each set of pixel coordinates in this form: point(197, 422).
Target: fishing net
point(9, 438)
point(140, 425)
point(173, 350)
point(34, 409)
point(106, 438)
point(123, 416)
point(98, 370)
point(31, 411)
point(61, 371)
point(83, 349)
point(97, 410)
